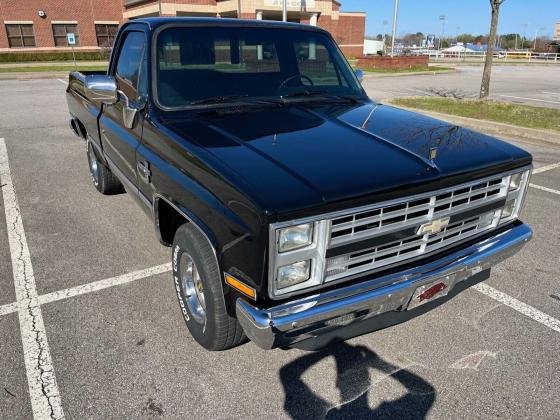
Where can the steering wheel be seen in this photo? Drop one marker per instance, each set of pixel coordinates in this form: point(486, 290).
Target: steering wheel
point(295, 76)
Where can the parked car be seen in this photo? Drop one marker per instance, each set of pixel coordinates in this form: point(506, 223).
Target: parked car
point(298, 211)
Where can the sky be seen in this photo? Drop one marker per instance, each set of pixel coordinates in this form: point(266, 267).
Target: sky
point(462, 16)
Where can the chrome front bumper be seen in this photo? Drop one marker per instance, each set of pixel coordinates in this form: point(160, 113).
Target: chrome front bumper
point(305, 318)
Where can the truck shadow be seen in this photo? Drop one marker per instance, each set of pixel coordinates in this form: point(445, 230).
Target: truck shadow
point(353, 364)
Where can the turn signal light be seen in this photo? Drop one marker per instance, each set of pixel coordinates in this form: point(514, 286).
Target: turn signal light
point(241, 287)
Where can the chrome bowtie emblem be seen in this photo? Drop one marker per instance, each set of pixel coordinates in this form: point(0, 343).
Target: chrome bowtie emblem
point(434, 226)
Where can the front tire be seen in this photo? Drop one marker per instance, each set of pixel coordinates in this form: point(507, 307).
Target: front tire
point(199, 290)
point(103, 179)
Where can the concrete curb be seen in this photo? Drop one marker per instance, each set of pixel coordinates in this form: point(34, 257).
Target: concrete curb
point(411, 73)
point(68, 64)
point(491, 127)
point(34, 75)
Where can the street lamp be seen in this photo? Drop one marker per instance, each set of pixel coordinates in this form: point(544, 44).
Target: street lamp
point(523, 37)
point(395, 12)
point(442, 18)
point(385, 22)
point(536, 32)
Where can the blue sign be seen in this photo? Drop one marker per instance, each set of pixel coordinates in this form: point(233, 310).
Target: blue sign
point(71, 38)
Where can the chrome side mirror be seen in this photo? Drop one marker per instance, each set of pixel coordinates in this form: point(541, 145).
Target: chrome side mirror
point(359, 75)
point(101, 88)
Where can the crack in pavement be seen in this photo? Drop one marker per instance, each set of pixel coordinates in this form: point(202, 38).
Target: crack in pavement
point(43, 390)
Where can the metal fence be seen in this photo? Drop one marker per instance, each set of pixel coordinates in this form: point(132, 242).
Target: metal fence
point(521, 56)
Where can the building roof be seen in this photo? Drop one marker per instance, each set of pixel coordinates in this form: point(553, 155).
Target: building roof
point(470, 48)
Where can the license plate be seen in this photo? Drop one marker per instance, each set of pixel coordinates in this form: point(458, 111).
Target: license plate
point(430, 291)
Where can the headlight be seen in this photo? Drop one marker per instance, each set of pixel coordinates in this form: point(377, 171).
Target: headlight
point(289, 275)
point(295, 237)
point(296, 257)
point(515, 181)
point(517, 186)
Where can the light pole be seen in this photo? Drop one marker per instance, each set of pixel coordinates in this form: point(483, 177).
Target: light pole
point(284, 10)
point(523, 37)
point(385, 22)
point(395, 12)
point(442, 19)
point(536, 32)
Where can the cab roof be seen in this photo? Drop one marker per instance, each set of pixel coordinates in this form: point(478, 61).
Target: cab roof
point(155, 22)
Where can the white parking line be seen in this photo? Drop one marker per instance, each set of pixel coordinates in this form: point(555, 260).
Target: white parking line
point(91, 287)
point(546, 168)
point(10, 308)
point(523, 308)
point(43, 390)
point(103, 284)
point(550, 190)
point(530, 99)
point(62, 81)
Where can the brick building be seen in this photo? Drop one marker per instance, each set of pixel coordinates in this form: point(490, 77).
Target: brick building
point(42, 25)
point(35, 25)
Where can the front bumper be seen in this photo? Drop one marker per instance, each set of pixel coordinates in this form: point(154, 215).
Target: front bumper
point(306, 318)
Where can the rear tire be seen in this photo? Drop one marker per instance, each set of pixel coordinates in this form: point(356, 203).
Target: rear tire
point(103, 179)
point(199, 290)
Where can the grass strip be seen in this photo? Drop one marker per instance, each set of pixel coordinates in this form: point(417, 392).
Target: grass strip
point(502, 112)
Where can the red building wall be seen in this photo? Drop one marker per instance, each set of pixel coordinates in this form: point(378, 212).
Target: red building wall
point(85, 12)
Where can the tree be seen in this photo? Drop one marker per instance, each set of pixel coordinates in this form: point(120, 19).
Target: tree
point(485, 85)
point(465, 38)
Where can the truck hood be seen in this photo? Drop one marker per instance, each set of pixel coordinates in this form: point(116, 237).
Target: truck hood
point(306, 155)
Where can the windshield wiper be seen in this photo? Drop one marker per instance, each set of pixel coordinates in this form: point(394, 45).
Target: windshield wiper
point(242, 99)
point(318, 93)
point(217, 99)
point(305, 93)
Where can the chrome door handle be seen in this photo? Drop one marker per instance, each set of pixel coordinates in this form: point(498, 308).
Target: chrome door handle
point(144, 171)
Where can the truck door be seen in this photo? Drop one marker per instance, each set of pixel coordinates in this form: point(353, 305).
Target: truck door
point(121, 123)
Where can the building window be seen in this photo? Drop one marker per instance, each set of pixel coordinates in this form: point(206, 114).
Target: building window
point(20, 35)
point(105, 34)
point(60, 31)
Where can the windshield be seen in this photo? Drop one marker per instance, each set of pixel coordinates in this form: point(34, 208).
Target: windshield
point(206, 66)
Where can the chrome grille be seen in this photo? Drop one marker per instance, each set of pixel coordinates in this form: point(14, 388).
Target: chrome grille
point(399, 218)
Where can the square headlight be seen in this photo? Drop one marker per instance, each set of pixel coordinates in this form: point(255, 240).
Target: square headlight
point(295, 237)
point(517, 187)
point(515, 181)
point(296, 256)
point(289, 275)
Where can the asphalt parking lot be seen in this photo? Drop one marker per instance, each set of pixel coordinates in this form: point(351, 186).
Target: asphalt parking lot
point(86, 298)
point(535, 85)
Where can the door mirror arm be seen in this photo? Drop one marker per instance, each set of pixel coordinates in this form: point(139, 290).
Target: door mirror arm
point(129, 111)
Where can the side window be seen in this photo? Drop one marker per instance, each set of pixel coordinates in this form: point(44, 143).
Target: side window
point(131, 66)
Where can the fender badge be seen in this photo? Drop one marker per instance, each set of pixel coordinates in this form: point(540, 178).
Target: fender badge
point(433, 153)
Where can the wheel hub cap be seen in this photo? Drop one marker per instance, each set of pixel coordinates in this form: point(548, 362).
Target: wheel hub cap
point(192, 288)
point(93, 166)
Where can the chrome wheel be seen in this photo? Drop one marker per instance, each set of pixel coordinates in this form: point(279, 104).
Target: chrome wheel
point(192, 288)
point(93, 166)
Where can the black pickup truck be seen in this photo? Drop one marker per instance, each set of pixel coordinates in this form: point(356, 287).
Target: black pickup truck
point(298, 211)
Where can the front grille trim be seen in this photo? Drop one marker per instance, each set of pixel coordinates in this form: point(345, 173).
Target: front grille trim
point(407, 248)
point(366, 223)
point(499, 191)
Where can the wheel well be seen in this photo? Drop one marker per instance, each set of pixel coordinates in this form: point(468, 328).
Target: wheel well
point(78, 128)
point(169, 220)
